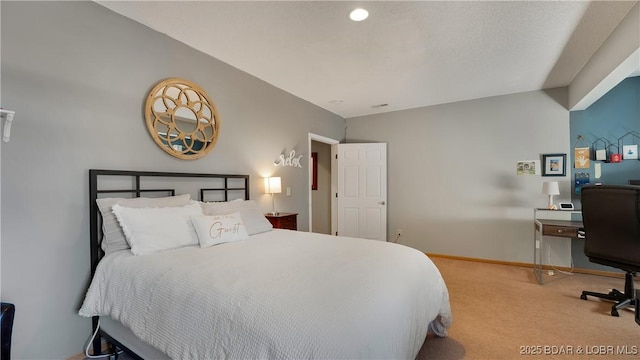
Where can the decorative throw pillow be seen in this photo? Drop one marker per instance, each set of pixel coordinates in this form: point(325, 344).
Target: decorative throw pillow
point(252, 217)
point(113, 238)
point(150, 230)
point(217, 229)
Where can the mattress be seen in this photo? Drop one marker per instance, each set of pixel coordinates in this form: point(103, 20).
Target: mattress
point(279, 294)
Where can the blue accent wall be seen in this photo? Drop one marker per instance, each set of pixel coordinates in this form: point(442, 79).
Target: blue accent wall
point(612, 116)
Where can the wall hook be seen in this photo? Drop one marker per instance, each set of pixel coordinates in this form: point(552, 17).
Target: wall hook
point(7, 115)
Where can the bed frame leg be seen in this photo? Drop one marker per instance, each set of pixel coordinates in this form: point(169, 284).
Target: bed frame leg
point(96, 346)
point(97, 341)
point(114, 351)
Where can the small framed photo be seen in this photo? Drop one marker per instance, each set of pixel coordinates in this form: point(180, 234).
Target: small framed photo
point(630, 152)
point(554, 164)
point(528, 167)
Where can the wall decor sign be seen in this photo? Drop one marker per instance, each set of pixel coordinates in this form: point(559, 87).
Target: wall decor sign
point(554, 164)
point(614, 156)
point(291, 160)
point(581, 179)
point(630, 152)
point(528, 167)
point(600, 154)
point(582, 157)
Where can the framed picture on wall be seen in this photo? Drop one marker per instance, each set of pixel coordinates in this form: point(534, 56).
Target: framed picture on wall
point(554, 164)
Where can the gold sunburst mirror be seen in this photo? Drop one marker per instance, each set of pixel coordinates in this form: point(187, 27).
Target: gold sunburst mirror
point(182, 119)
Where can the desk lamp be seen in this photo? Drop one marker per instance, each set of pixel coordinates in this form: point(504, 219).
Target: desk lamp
point(550, 188)
point(272, 185)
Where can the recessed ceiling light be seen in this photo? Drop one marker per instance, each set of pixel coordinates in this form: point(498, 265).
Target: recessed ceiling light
point(359, 14)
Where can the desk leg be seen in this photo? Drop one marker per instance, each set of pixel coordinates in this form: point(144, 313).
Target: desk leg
point(537, 252)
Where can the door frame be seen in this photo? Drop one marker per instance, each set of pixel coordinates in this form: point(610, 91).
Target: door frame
point(325, 140)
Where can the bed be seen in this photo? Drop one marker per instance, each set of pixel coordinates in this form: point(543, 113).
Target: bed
point(258, 292)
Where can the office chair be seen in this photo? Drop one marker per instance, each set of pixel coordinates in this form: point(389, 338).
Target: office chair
point(611, 218)
point(6, 320)
point(638, 307)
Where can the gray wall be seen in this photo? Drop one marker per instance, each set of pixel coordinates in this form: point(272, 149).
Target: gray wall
point(77, 75)
point(452, 183)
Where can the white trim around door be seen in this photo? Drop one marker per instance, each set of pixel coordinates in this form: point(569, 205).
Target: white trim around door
point(322, 139)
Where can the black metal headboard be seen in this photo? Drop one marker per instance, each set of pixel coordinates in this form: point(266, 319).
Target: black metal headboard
point(223, 187)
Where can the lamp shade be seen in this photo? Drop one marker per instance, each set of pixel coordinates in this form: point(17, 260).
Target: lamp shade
point(272, 185)
point(550, 188)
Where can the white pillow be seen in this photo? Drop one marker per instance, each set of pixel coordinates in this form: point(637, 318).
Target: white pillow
point(252, 217)
point(228, 207)
point(113, 238)
point(217, 229)
point(150, 230)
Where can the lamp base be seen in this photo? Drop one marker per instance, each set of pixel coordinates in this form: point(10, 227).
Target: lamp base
point(551, 206)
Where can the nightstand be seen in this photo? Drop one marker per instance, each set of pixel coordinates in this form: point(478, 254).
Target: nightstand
point(283, 220)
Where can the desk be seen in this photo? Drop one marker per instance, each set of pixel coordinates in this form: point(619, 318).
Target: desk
point(555, 228)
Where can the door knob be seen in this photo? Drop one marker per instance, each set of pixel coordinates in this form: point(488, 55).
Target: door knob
point(381, 203)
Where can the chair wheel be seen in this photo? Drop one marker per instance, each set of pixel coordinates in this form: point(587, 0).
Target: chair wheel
point(583, 297)
point(614, 312)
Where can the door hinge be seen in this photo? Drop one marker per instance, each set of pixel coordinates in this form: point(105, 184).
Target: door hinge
point(336, 233)
point(336, 194)
point(336, 156)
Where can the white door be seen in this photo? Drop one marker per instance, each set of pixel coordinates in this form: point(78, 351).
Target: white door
point(359, 190)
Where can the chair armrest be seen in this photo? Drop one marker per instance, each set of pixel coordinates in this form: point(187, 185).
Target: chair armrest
point(6, 326)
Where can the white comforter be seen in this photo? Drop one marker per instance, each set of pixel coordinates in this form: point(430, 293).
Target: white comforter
point(278, 295)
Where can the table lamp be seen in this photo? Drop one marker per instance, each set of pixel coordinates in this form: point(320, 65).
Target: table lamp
point(272, 185)
point(551, 188)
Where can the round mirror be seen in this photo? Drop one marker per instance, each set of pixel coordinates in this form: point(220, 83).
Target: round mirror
point(182, 119)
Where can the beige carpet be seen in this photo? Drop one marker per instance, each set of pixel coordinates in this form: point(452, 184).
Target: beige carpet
point(500, 312)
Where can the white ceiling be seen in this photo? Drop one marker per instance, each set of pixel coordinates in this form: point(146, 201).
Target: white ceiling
point(407, 54)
